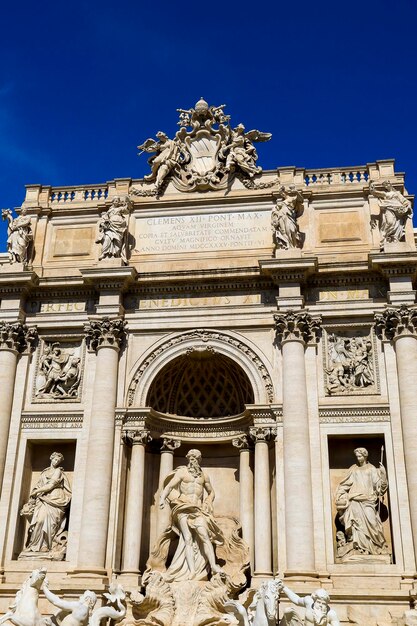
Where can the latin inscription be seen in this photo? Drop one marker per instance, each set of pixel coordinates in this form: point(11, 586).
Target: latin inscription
point(183, 302)
point(192, 233)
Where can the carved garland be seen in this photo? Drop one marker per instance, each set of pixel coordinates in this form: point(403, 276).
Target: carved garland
point(205, 336)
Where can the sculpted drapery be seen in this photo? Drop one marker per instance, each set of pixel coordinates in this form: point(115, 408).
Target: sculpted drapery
point(46, 510)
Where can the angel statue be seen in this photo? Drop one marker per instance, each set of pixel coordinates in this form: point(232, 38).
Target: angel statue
point(288, 207)
point(240, 152)
point(395, 211)
point(167, 157)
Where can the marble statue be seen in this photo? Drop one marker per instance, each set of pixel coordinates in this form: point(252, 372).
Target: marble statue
point(395, 211)
point(78, 612)
point(358, 505)
point(317, 609)
point(47, 513)
point(59, 373)
point(288, 207)
point(24, 611)
point(350, 364)
point(262, 611)
point(113, 232)
point(19, 236)
point(240, 152)
point(167, 156)
point(192, 516)
point(204, 154)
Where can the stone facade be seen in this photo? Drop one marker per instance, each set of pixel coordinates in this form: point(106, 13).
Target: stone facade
point(267, 319)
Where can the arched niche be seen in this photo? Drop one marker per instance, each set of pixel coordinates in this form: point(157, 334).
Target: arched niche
point(227, 349)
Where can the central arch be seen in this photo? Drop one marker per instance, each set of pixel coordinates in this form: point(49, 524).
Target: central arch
point(201, 383)
point(230, 351)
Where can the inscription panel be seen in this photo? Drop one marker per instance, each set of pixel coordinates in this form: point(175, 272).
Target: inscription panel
point(211, 231)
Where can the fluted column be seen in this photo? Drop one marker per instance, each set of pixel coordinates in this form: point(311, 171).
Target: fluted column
point(294, 330)
point(263, 526)
point(400, 327)
point(14, 339)
point(132, 538)
point(166, 466)
point(246, 493)
point(104, 337)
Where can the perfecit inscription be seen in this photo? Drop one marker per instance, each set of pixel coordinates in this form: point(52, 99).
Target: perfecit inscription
point(214, 231)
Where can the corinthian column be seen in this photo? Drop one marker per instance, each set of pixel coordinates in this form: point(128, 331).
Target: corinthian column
point(400, 327)
point(246, 493)
point(166, 466)
point(14, 339)
point(294, 330)
point(134, 500)
point(104, 337)
point(263, 527)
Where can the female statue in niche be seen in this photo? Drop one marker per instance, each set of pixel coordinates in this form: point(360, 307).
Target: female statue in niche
point(46, 510)
point(358, 505)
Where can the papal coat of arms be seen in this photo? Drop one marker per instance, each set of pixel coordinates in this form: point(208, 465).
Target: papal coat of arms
point(204, 153)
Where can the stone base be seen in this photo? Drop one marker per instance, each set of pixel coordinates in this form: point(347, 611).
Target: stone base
point(292, 253)
point(365, 558)
point(397, 246)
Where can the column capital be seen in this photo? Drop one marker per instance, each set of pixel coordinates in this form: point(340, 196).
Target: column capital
point(105, 333)
point(242, 443)
point(297, 326)
point(396, 322)
point(17, 337)
point(137, 437)
point(261, 434)
point(168, 444)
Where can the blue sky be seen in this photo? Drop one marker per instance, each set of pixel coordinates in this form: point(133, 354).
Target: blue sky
point(83, 83)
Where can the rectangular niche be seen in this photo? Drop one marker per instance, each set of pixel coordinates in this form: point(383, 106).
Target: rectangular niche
point(350, 363)
point(59, 371)
point(37, 459)
point(361, 521)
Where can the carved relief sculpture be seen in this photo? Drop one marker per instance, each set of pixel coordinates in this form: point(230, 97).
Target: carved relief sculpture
point(113, 231)
point(288, 207)
point(19, 236)
point(358, 501)
point(59, 372)
point(46, 511)
point(349, 365)
point(317, 609)
point(203, 157)
point(395, 211)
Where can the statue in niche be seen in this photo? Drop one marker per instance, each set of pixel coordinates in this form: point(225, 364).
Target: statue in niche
point(350, 365)
point(59, 373)
point(395, 211)
point(113, 233)
point(47, 513)
point(192, 517)
point(288, 208)
point(358, 503)
point(317, 609)
point(166, 158)
point(19, 236)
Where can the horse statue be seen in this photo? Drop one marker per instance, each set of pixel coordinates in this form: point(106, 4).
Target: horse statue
point(263, 610)
point(24, 611)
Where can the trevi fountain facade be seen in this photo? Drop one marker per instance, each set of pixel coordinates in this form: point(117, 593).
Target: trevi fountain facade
point(208, 407)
